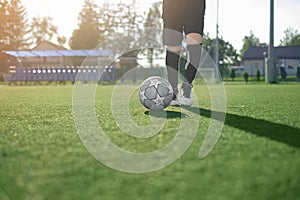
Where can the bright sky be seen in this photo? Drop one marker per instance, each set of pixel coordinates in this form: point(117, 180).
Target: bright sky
point(236, 17)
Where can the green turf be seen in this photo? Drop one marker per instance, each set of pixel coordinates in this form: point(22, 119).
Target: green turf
point(257, 156)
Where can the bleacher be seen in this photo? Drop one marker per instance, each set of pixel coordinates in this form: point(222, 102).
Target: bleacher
point(60, 74)
point(27, 72)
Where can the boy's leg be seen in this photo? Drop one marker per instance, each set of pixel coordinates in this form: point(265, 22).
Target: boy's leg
point(193, 28)
point(194, 50)
point(172, 61)
point(172, 39)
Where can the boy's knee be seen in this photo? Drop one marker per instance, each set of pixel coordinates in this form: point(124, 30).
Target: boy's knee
point(193, 38)
point(174, 48)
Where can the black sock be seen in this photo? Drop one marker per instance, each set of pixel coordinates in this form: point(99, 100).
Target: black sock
point(172, 60)
point(194, 55)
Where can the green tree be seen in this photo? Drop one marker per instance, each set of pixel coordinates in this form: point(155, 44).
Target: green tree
point(120, 25)
point(42, 29)
point(232, 74)
point(228, 56)
point(246, 76)
point(208, 43)
point(152, 34)
point(13, 29)
point(127, 24)
point(154, 18)
point(18, 26)
point(291, 37)
point(88, 35)
point(4, 34)
point(13, 25)
point(4, 25)
point(258, 75)
point(61, 40)
point(106, 19)
point(250, 41)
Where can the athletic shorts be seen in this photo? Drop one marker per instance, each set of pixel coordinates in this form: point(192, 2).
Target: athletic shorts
point(182, 16)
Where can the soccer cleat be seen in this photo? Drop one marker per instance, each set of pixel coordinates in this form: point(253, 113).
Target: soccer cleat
point(186, 94)
point(175, 101)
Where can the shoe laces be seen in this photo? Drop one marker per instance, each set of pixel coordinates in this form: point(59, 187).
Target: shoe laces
point(187, 87)
point(174, 97)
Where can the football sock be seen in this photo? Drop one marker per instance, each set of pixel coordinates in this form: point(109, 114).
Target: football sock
point(194, 55)
point(172, 60)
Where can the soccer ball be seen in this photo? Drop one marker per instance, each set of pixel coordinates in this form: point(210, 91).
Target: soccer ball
point(156, 93)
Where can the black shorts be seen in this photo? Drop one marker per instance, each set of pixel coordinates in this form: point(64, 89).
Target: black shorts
point(182, 16)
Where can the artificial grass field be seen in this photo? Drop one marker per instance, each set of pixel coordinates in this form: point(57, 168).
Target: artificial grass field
point(256, 157)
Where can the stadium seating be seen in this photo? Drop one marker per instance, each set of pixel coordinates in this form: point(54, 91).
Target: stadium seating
point(61, 74)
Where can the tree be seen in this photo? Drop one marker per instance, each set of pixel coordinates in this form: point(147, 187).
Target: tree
point(61, 40)
point(4, 25)
point(42, 29)
point(228, 56)
point(258, 75)
point(291, 37)
point(88, 35)
point(246, 76)
point(153, 36)
point(18, 26)
point(232, 74)
point(13, 28)
point(4, 35)
point(13, 25)
point(121, 22)
point(120, 25)
point(250, 41)
point(154, 18)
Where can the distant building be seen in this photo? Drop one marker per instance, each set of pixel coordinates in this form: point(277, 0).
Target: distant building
point(50, 62)
point(49, 55)
point(286, 57)
point(53, 61)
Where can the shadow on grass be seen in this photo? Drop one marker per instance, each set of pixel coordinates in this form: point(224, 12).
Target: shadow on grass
point(166, 114)
point(274, 131)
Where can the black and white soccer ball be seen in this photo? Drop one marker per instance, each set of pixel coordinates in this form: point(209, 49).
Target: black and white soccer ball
point(156, 93)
